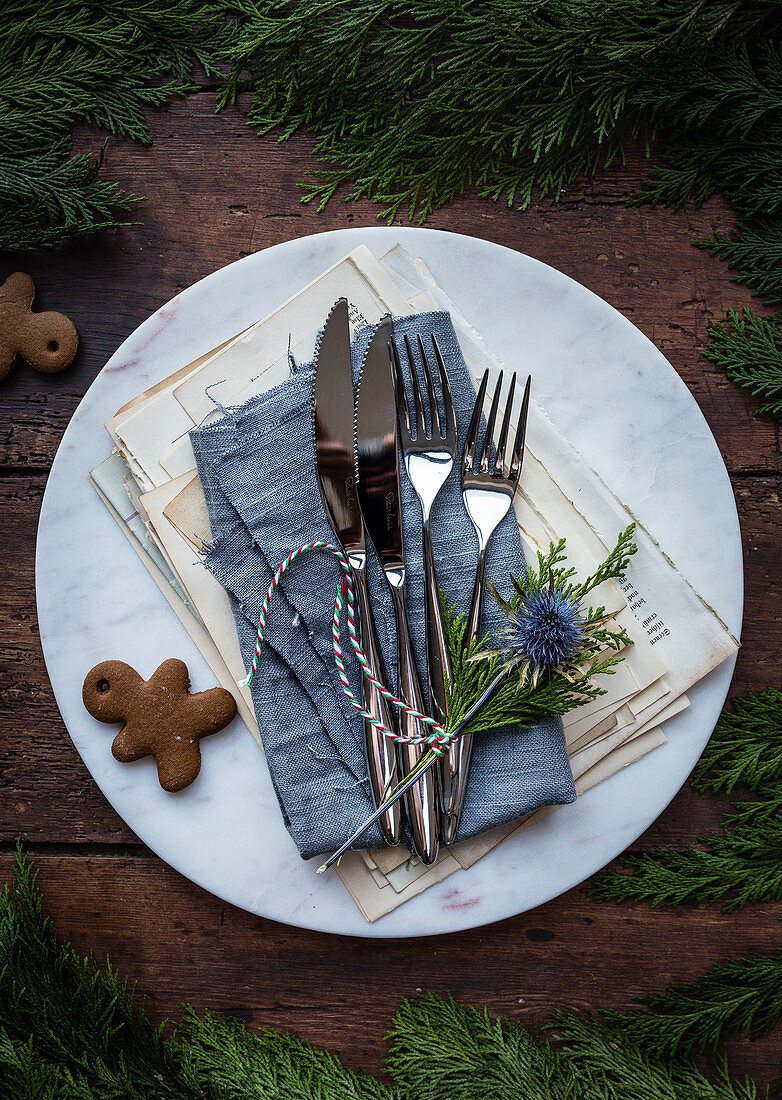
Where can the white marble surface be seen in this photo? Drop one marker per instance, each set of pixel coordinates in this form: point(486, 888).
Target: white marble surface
point(606, 387)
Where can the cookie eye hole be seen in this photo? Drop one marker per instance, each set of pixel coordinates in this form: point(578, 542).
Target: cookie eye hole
point(52, 345)
point(102, 686)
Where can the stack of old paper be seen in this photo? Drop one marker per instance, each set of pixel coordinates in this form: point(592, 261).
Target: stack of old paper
point(151, 487)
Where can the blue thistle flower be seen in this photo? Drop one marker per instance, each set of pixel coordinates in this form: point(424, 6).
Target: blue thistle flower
point(548, 627)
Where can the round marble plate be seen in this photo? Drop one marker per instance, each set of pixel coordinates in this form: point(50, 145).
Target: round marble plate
point(608, 389)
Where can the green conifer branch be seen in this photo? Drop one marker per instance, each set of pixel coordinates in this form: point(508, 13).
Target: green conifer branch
point(738, 868)
point(740, 865)
point(736, 997)
point(71, 1030)
point(71, 61)
point(555, 691)
point(749, 349)
point(755, 254)
point(230, 1062)
point(420, 101)
point(610, 1064)
point(442, 1049)
point(83, 1029)
point(745, 747)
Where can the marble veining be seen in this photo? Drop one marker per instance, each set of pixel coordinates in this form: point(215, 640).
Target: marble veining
point(607, 388)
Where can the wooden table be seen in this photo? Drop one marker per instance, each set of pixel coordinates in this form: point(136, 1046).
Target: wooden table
point(218, 192)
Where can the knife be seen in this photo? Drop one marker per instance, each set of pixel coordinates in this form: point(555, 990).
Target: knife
point(334, 418)
point(378, 493)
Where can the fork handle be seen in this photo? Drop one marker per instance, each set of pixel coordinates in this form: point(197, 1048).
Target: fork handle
point(381, 752)
point(421, 801)
point(476, 604)
point(438, 660)
point(455, 765)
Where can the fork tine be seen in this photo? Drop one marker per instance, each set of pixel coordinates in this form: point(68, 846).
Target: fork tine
point(521, 431)
point(472, 431)
point(445, 386)
point(399, 388)
point(484, 466)
point(434, 411)
point(499, 465)
point(417, 399)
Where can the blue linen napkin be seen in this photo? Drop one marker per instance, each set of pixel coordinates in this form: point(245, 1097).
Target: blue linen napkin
point(257, 467)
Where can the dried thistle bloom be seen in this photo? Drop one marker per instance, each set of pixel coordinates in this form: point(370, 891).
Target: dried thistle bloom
point(548, 627)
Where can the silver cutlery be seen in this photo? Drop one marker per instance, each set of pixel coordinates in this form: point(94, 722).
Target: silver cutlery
point(379, 496)
point(488, 492)
point(334, 418)
point(429, 459)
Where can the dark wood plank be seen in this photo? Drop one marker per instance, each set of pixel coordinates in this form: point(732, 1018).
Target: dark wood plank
point(181, 944)
point(218, 192)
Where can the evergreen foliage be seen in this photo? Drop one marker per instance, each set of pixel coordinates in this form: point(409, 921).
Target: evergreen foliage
point(749, 349)
point(556, 690)
point(745, 747)
point(737, 997)
point(423, 98)
point(66, 1028)
point(609, 1064)
point(70, 1031)
point(72, 61)
point(742, 864)
point(412, 101)
point(230, 1062)
point(442, 1049)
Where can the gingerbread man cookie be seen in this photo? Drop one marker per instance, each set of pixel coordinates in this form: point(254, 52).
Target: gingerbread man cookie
point(161, 718)
point(48, 341)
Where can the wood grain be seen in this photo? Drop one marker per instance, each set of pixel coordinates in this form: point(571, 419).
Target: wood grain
point(341, 992)
point(218, 192)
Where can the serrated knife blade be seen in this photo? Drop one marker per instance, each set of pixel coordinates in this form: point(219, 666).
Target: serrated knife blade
point(377, 456)
point(334, 429)
point(334, 425)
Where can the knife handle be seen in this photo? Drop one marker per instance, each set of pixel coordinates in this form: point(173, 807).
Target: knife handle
point(381, 750)
point(422, 800)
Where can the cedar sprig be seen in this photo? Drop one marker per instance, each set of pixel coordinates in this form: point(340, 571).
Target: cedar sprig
point(741, 864)
point(231, 1062)
point(443, 1049)
point(74, 61)
point(736, 997)
point(754, 253)
point(70, 1029)
point(748, 347)
point(553, 691)
point(46, 195)
point(610, 1064)
point(745, 747)
point(421, 100)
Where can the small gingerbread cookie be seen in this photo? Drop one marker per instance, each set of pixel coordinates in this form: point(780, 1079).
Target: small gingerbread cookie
point(48, 341)
point(161, 718)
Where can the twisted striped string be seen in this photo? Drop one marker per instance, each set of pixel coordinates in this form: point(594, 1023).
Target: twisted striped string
point(436, 737)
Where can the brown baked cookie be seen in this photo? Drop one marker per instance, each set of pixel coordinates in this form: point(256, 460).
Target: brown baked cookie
point(48, 341)
point(161, 718)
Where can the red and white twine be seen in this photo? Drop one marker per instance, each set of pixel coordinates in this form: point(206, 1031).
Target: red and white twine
point(437, 738)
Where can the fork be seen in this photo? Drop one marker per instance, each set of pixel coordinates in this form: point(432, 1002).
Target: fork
point(428, 458)
point(488, 493)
